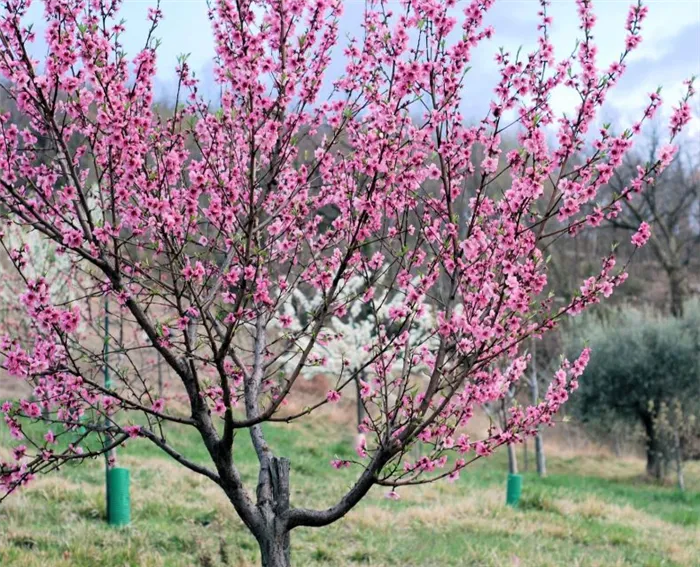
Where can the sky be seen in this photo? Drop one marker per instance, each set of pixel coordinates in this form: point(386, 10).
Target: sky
point(669, 53)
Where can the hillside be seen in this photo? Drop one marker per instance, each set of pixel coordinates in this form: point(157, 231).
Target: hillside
point(592, 510)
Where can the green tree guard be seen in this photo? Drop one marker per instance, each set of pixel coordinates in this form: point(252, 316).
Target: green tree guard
point(118, 501)
point(514, 489)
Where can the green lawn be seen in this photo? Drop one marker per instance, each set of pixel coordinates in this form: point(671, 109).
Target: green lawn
point(590, 510)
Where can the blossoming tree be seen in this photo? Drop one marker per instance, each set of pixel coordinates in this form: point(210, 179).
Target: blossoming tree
point(202, 225)
point(346, 347)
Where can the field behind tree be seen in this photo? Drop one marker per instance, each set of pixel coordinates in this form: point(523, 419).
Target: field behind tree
point(592, 510)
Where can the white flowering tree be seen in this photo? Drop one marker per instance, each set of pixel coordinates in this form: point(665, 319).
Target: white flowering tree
point(345, 354)
point(43, 263)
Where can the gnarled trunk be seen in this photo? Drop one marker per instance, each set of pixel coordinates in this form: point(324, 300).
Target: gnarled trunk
point(654, 465)
point(676, 279)
point(275, 547)
point(273, 538)
point(654, 453)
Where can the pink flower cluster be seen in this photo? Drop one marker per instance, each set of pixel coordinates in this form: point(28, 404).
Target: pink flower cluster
point(640, 237)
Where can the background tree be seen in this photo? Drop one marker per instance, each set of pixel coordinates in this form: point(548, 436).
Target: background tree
point(640, 364)
point(344, 350)
point(47, 262)
point(677, 426)
point(672, 207)
point(202, 225)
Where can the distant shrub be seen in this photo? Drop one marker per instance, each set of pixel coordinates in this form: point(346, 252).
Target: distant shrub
point(645, 370)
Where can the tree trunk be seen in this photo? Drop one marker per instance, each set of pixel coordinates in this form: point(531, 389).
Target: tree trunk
point(654, 460)
point(654, 468)
point(539, 454)
point(512, 459)
point(535, 390)
point(679, 460)
point(275, 550)
point(274, 540)
point(676, 279)
point(654, 457)
point(360, 404)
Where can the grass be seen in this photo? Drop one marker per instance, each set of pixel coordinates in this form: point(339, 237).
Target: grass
point(590, 511)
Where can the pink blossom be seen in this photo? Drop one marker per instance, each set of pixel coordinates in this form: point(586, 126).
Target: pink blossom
point(376, 261)
point(19, 452)
point(69, 320)
point(666, 154)
point(333, 396)
point(489, 165)
point(365, 390)
point(361, 446)
point(132, 431)
point(219, 407)
point(482, 449)
point(640, 237)
point(73, 238)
